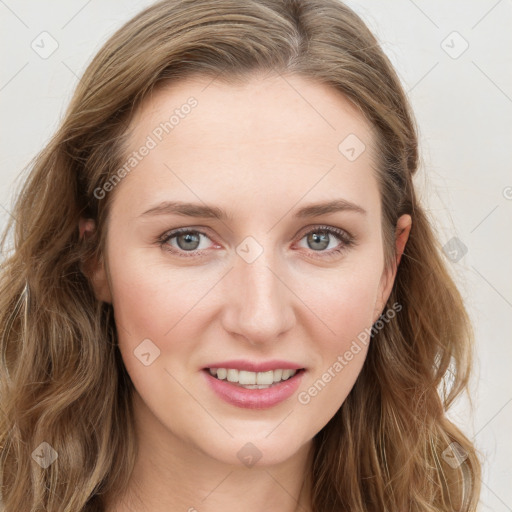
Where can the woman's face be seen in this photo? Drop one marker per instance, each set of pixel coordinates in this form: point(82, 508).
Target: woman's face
point(264, 277)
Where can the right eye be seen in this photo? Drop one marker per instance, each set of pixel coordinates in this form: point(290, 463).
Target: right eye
point(185, 240)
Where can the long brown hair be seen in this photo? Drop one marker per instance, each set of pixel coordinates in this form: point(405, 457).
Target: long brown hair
point(389, 446)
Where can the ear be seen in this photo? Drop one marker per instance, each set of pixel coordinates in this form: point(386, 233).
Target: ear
point(402, 231)
point(94, 269)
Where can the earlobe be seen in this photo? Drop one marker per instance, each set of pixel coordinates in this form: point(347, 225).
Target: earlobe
point(85, 227)
point(100, 283)
point(402, 230)
point(95, 270)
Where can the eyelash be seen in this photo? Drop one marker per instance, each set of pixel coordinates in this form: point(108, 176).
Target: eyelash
point(346, 240)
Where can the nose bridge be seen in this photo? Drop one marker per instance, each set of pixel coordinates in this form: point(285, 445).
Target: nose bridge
point(260, 308)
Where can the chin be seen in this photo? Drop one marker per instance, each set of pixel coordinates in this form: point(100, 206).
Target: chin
point(257, 451)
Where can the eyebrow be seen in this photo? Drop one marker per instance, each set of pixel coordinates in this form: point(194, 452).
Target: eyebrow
point(213, 212)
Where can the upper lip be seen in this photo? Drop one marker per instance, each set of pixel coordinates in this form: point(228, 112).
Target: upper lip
point(252, 366)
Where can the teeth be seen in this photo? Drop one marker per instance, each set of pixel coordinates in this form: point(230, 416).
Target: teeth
point(265, 377)
point(233, 376)
point(287, 374)
point(277, 375)
point(252, 380)
point(245, 377)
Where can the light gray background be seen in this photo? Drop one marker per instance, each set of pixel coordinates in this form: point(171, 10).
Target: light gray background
point(463, 105)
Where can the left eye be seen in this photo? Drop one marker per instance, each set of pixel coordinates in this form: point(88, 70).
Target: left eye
point(187, 240)
point(318, 239)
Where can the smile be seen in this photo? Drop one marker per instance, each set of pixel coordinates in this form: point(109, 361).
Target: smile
point(253, 395)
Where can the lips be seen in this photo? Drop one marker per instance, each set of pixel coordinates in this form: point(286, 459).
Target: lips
point(256, 391)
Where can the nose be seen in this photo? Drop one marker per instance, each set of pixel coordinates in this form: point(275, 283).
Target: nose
point(257, 303)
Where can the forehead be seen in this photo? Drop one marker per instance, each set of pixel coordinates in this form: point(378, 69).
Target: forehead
point(281, 133)
point(262, 109)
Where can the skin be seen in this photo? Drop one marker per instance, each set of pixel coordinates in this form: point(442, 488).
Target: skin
point(260, 151)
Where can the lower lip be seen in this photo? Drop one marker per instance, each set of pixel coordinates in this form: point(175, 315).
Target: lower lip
point(254, 398)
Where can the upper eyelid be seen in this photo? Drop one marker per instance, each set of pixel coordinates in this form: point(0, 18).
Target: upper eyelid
point(334, 230)
point(177, 231)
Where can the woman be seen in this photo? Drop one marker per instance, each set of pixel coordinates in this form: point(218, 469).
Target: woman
point(224, 291)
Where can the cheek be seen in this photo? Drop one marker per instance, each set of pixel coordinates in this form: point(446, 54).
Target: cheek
point(344, 303)
point(154, 313)
point(168, 305)
point(151, 298)
point(346, 306)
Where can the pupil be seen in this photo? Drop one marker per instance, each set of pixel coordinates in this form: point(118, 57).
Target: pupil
point(189, 238)
point(323, 239)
